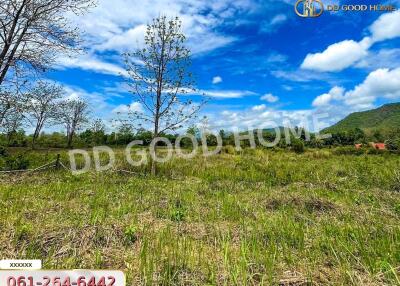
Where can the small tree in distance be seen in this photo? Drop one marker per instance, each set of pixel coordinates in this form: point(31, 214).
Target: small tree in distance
point(159, 77)
point(42, 106)
point(73, 113)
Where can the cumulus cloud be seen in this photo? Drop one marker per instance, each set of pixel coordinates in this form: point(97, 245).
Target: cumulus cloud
point(388, 58)
point(337, 56)
point(328, 108)
point(216, 79)
point(382, 83)
point(344, 54)
point(124, 41)
point(379, 84)
point(270, 98)
point(336, 93)
point(386, 26)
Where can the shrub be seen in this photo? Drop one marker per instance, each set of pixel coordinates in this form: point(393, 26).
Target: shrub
point(229, 149)
point(298, 146)
point(177, 215)
point(18, 162)
point(131, 234)
point(392, 145)
point(178, 212)
point(3, 152)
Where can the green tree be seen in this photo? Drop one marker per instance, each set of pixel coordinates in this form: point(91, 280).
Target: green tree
point(159, 77)
point(298, 145)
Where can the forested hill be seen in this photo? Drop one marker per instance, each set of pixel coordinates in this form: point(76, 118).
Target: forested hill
point(384, 119)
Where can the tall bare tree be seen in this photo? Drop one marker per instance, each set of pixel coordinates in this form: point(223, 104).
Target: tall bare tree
point(159, 77)
point(42, 106)
point(73, 114)
point(34, 32)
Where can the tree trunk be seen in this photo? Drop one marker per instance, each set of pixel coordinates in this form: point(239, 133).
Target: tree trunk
point(69, 140)
point(154, 152)
point(35, 136)
point(153, 164)
point(33, 142)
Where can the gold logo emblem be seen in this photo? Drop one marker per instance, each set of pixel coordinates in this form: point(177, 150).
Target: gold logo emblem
point(309, 8)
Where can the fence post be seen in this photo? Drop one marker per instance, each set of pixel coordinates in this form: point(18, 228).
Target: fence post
point(57, 166)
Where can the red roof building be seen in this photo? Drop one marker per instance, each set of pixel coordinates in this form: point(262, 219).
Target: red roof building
point(378, 146)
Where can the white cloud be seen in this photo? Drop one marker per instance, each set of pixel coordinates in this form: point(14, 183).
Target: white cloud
point(91, 62)
point(379, 84)
point(336, 93)
point(337, 56)
point(300, 75)
point(216, 79)
point(344, 54)
point(120, 29)
point(124, 109)
point(125, 41)
point(387, 26)
point(276, 58)
point(280, 18)
point(256, 117)
point(225, 93)
point(382, 83)
point(259, 107)
point(270, 26)
point(269, 97)
point(388, 58)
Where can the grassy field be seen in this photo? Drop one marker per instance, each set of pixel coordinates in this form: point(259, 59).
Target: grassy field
point(260, 217)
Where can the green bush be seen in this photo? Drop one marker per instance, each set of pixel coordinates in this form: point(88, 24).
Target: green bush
point(18, 162)
point(229, 149)
point(298, 146)
point(392, 145)
point(178, 212)
point(131, 235)
point(3, 152)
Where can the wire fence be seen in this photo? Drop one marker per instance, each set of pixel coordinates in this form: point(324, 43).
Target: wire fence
point(56, 164)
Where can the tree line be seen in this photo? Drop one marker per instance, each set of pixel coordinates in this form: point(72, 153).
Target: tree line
point(96, 135)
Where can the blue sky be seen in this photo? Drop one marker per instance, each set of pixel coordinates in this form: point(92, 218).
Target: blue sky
point(256, 60)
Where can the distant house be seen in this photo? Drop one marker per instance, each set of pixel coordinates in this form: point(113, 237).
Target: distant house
point(378, 146)
point(358, 146)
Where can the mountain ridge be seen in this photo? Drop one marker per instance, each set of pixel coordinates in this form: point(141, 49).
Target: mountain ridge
point(384, 119)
